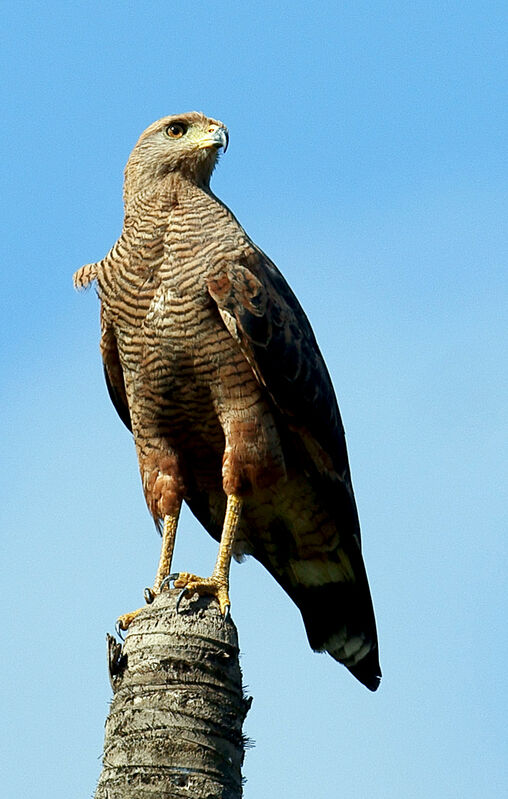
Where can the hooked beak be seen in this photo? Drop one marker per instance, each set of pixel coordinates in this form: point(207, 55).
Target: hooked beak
point(215, 138)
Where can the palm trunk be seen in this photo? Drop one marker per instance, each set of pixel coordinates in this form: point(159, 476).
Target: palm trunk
point(175, 722)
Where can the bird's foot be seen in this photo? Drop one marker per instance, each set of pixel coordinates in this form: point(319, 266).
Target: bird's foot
point(210, 586)
point(123, 622)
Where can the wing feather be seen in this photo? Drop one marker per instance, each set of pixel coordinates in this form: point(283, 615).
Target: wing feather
point(262, 313)
point(113, 373)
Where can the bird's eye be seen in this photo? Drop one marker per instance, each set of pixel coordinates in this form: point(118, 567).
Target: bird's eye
point(176, 130)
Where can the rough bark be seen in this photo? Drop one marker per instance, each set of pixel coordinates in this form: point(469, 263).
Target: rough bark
point(175, 723)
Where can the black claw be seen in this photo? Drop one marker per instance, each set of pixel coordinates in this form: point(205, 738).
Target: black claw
point(227, 612)
point(180, 597)
point(169, 579)
point(149, 596)
point(119, 631)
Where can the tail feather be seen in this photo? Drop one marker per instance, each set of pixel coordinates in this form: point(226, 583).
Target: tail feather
point(339, 619)
point(368, 670)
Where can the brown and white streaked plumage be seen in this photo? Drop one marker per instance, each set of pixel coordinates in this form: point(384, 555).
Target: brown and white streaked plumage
point(211, 362)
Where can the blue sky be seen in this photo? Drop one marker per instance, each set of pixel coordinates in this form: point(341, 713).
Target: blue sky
point(368, 159)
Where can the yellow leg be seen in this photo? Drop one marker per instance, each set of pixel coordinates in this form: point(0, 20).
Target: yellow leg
point(218, 584)
point(168, 545)
point(163, 570)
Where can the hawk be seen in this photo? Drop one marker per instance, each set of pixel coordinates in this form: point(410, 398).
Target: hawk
point(212, 364)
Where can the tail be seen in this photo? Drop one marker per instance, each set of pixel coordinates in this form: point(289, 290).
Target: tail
point(338, 613)
point(339, 619)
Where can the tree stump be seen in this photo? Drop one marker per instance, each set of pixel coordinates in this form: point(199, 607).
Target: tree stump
point(175, 724)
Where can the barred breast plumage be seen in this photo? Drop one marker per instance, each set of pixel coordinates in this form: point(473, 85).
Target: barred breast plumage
point(211, 362)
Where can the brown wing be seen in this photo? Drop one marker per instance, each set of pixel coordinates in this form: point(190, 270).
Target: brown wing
point(113, 373)
point(83, 279)
point(263, 314)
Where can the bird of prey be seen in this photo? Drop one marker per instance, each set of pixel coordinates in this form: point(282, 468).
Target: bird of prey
point(212, 364)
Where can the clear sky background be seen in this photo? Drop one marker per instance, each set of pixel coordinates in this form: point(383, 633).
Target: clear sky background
point(368, 159)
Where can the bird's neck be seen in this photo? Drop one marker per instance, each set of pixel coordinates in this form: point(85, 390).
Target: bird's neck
point(173, 189)
point(173, 194)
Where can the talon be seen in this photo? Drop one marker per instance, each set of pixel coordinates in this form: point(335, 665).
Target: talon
point(210, 586)
point(169, 579)
point(227, 612)
point(118, 630)
point(180, 597)
point(124, 622)
point(149, 596)
point(224, 603)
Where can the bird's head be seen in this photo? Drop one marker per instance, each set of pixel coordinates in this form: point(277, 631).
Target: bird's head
point(184, 143)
